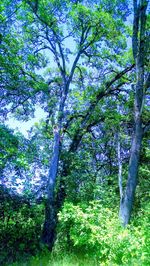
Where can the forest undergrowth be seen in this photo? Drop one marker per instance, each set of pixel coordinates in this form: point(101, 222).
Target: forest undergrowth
point(87, 234)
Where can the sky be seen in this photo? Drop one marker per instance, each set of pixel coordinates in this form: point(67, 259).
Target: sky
point(23, 127)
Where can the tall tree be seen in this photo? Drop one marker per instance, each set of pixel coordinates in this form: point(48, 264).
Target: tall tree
point(139, 52)
point(88, 34)
point(88, 29)
point(73, 34)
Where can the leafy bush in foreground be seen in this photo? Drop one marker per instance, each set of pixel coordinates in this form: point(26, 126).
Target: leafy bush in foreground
point(95, 231)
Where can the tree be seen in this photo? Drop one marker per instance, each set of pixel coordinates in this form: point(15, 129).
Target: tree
point(92, 27)
point(19, 84)
point(139, 52)
point(87, 71)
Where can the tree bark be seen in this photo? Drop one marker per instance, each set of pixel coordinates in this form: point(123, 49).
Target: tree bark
point(127, 201)
point(48, 234)
point(119, 165)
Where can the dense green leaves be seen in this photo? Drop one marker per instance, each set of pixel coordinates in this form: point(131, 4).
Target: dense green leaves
point(8, 146)
point(94, 229)
point(20, 228)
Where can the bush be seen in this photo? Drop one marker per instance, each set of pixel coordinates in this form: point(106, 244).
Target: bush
point(95, 231)
point(20, 231)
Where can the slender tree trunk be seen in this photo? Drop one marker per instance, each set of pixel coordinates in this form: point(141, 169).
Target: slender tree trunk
point(127, 200)
point(126, 203)
point(49, 228)
point(54, 203)
point(48, 234)
point(119, 165)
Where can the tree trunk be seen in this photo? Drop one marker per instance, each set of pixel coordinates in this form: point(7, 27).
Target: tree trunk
point(127, 200)
point(48, 234)
point(49, 228)
point(126, 203)
point(119, 165)
point(54, 203)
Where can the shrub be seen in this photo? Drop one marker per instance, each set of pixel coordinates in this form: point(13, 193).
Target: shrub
point(95, 231)
point(20, 232)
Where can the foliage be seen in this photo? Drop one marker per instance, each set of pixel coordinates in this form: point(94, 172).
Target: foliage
point(20, 229)
point(47, 259)
point(8, 145)
point(74, 60)
point(95, 231)
point(88, 235)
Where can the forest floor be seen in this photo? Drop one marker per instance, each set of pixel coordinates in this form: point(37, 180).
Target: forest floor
point(48, 260)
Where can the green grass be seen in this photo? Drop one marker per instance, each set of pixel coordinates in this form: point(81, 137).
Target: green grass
point(52, 260)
